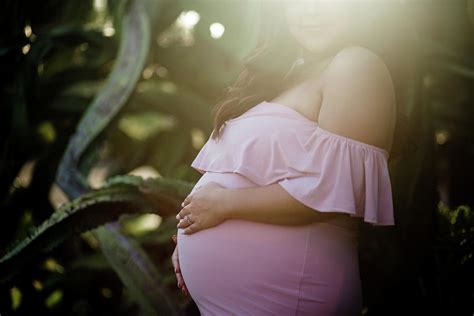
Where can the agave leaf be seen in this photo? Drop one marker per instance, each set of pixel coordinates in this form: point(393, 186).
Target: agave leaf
point(141, 276)
point(82, 214)
point(122, 195)
point(134, 47)
point(125, 256)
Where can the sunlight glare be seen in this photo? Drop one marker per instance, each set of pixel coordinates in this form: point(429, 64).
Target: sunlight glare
point(28, 30)
point(217, 30)
point(442, 136)
point(25, 49)
point(100, 5)
point(188, 19)
point(108, 29)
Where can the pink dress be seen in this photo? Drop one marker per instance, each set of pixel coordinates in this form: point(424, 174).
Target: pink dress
point(247, 268)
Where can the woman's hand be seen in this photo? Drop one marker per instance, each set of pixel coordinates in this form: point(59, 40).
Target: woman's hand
point(177, 270)
point(202, 209)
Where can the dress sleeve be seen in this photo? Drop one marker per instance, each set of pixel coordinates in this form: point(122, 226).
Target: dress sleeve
point(352, 177)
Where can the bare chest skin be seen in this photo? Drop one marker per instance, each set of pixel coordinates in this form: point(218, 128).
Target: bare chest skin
point(306, 96)
point(299, 99)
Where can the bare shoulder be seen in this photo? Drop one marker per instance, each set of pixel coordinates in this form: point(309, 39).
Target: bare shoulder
point(355, 61)
point(359, 97)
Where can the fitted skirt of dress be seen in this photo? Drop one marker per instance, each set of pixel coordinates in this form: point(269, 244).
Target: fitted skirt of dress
point(247, 268)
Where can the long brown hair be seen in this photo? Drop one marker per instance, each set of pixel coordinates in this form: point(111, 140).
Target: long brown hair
point(266, 67)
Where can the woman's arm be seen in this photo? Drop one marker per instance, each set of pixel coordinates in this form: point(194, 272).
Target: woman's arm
point(269, 204)
point(212, 204)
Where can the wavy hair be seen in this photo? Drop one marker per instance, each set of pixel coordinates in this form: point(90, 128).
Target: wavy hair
point(268, 69)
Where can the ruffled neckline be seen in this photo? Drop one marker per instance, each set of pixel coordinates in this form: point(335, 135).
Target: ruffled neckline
point(323, 170)
point(266, 108)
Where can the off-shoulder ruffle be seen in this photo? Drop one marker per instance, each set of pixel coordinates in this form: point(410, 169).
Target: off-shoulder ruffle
point(323, 170)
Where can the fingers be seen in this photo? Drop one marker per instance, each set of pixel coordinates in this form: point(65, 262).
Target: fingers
point(191, 229)
point(184, 211)
point(185, 290)
point(177, 270)
point(183, 223)
point(174, 260)
point(180, 279)
point(186, 200)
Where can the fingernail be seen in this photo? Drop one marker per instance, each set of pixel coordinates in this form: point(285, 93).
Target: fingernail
point(182, 204)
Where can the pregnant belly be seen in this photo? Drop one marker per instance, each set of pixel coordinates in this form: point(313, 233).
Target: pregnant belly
point(248, 268)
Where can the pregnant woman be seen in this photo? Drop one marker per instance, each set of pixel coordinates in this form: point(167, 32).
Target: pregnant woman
point(272, 225)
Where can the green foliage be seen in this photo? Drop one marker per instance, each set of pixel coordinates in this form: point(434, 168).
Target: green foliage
point(51, 89)
point(120, 195)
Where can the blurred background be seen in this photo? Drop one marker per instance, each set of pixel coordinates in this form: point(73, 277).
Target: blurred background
point(105, 103)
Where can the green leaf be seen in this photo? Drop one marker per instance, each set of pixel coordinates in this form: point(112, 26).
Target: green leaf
point(119, 196)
